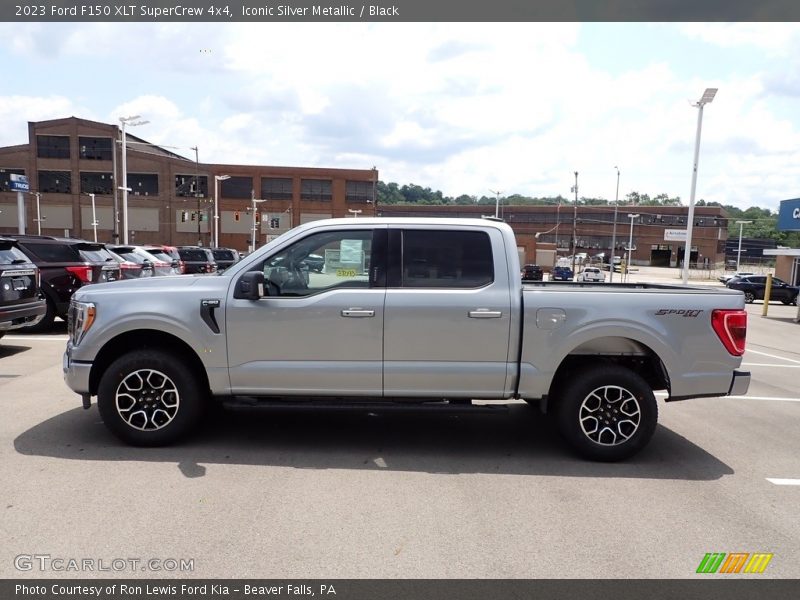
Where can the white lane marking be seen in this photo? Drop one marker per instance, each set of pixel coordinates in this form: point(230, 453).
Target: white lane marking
point(770, 365)
point(780, 398)
point(33, 338)
point(784, 481)
point(775, 356)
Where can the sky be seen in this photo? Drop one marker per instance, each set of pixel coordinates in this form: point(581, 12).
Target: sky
point(457, 107)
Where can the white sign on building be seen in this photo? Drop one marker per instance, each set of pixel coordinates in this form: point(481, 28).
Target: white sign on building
point(674, 235)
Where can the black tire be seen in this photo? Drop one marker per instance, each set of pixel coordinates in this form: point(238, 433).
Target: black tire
point(611, 393)
point(47, 320)
point(749, 297)
point(160, 399)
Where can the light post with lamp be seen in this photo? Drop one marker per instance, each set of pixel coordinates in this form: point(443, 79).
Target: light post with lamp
point(94, 217)
point(132, 122)
point(39, 217)
point(630, 246)
point(741, 224)
point(614, 232)
point(217, 179)
point(355, 212)
point(496, 203)
point(707, 97)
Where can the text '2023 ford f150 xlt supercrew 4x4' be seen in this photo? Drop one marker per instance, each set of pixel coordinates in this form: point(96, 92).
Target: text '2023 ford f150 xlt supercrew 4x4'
point(412, 312)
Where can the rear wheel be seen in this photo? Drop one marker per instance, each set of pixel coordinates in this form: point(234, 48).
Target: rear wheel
point(149, 398)
point(606, 413)
point(749, 297)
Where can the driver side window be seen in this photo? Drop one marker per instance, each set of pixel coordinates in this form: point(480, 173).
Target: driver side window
point(320, 262)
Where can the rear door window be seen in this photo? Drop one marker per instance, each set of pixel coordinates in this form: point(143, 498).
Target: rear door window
point(194, 255)
point(446, 259)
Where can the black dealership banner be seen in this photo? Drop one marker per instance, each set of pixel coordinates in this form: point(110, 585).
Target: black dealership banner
point(402, 589)
point(398, 11)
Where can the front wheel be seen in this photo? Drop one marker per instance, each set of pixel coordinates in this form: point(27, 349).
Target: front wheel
point(149, 398)
point(606, 413)
point(749, 297)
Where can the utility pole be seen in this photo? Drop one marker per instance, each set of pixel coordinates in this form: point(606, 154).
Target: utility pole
point(575, 222)
point(254, 236)
point(614, 234)
point(38, 214)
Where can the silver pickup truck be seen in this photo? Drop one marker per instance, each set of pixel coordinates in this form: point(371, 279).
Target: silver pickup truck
point(417, 313)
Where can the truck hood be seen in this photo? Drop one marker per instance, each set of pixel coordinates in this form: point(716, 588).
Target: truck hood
point(150, 285)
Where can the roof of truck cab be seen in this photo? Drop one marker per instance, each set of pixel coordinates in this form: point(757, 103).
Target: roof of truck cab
point(448, 221)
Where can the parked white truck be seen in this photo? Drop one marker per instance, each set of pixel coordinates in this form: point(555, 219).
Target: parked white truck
point(418, 313)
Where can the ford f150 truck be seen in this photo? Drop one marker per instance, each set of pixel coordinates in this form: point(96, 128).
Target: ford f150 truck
point(412, 312)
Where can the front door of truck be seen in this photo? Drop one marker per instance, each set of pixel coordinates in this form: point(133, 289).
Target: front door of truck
point(447, 319)
point(319, 332)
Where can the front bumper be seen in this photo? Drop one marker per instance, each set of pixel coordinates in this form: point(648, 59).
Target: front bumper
point(76, 374)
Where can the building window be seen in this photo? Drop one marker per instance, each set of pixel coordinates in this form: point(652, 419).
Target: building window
point(96, 183)
point(52, 146)
point(56, 182)
point(186, 185)
point(276, 188)
point(143, 184)
point(5, 180)
point(95, 148)
point(316, 189)
point(237, 187)
point(359, 191)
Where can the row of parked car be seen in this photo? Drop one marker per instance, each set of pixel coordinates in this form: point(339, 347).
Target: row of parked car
point(755, 287)
point(39, 274)
point(561, 273)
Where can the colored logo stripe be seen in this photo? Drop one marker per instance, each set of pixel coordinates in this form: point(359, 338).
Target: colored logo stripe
point(711, 562)
point(758, 562)
point(735, 562)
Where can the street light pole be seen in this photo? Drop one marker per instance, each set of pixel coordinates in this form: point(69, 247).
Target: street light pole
point(741, 224)
point(614, 234)
point(94, 218)
point(38, 214)
point(707, 97)
point(197, 193)
point(575, 222)
point(496, 203)
point(630, 246)
point(125, 189)
point(217, 179)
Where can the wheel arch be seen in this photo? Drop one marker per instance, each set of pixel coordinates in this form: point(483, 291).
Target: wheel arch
point(141, 339)
point(617, 350)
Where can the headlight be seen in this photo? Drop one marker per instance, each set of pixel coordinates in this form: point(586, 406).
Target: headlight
point(81, 318)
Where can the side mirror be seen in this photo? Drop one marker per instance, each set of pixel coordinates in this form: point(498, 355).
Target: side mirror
point(250, 286)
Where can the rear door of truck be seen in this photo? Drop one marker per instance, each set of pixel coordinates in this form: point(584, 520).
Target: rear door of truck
point(447, 313)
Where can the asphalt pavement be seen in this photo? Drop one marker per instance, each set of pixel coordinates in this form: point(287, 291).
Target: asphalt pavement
point(281, 493)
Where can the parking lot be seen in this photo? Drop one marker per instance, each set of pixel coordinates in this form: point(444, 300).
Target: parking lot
point(281, 493)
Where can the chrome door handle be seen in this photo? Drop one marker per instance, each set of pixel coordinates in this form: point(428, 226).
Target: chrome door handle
point(357, 313)
point(485, 313)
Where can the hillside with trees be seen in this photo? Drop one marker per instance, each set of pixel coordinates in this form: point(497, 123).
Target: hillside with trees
point(763, 220)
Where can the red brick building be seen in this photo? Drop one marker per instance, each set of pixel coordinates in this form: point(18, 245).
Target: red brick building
point(171, 198)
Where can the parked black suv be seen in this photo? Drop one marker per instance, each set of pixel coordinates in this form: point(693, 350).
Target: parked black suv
point(197, 259)
point(532, 273)
point(225, 257)
point(65, 264)
point(20, 302)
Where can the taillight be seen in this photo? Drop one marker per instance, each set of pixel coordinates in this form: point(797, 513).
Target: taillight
point(731, 328)
point(84, 274)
